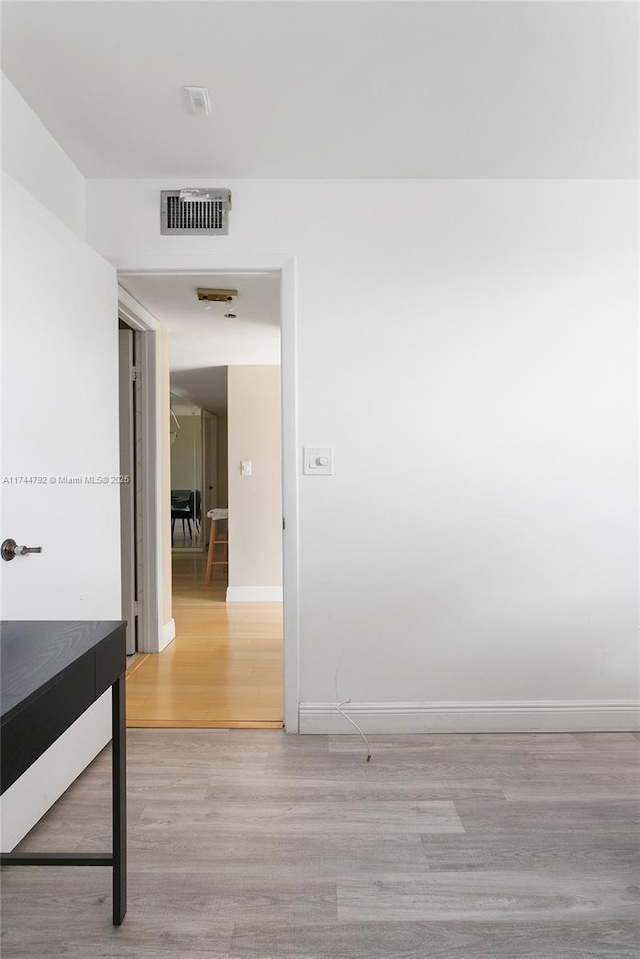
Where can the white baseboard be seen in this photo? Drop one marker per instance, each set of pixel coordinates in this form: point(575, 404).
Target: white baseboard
point(498, 717)
point(254, 594)
point(168, 633)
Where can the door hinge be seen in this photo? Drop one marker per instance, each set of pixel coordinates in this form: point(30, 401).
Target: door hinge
point(135, 373)
point(136, 608)
point(283, 523)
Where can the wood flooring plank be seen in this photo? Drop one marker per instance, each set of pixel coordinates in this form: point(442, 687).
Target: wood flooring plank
point(537, 851)
point(207, 848)
point(270, 788)
point(608, 741)
point(480, 742)
point(600, 789)
point(551, 818)
point(492, 756)
point(354, 767)
point(318, 818)
point(577, 939)
point(493, 896)
point(590, 763)
point(195, 746)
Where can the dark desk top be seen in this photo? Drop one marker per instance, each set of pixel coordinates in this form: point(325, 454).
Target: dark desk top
point(35, 653)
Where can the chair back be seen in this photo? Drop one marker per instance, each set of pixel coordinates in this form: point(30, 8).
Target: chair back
point(181, 498)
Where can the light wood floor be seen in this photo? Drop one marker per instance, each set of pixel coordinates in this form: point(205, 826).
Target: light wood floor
point(255, 844)
point(223, 669)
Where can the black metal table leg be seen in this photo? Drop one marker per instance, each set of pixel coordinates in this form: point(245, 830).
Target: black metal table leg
point(119, 787)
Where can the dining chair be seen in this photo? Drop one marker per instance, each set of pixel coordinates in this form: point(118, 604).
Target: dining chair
point(181, 500)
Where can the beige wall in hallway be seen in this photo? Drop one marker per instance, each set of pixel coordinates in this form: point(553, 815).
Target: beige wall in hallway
point(255, 502)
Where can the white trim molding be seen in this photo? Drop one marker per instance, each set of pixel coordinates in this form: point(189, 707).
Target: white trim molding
point(254, 594)
point(135, 313)
point(168, 633)
point(290, 494)
point(457, 717)
point(150, 638)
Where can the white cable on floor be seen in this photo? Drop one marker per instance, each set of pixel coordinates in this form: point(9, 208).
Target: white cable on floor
point(344, 702)
point(353, 723)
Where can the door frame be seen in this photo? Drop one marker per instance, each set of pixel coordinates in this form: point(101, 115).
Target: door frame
point(128, 491)
point(159, 633)
point(154, 634)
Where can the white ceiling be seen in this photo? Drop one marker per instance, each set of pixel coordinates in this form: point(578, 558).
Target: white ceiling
point(202, 343)
point(449, 89)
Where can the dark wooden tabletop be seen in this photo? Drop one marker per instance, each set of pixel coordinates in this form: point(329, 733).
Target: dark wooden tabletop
point(33, 654)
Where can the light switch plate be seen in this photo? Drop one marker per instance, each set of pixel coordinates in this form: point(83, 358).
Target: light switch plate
point(318, 461)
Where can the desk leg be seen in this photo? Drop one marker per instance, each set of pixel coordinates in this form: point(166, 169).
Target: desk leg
point(119, 800)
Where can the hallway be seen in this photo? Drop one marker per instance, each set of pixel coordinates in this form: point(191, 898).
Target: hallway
point(223, 669)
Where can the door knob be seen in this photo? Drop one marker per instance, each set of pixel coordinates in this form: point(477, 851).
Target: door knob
point(10, 549)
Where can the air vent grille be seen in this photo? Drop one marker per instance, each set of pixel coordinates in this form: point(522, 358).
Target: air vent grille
point(208, 214)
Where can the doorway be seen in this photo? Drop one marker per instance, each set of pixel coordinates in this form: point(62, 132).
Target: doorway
point(225, 665)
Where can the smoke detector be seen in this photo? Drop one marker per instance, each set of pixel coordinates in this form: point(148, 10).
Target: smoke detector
point(198, 101)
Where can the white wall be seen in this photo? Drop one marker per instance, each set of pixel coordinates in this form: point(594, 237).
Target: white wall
point(59, 417)
point(255, 501)
point(35, 160)
point(469, 350)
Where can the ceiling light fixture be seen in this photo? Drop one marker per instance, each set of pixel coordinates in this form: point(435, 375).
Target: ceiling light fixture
point(215, 296)
point(198, 100)
point(209, 296)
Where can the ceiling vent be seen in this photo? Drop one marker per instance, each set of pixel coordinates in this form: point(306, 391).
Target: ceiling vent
point(195, 211)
